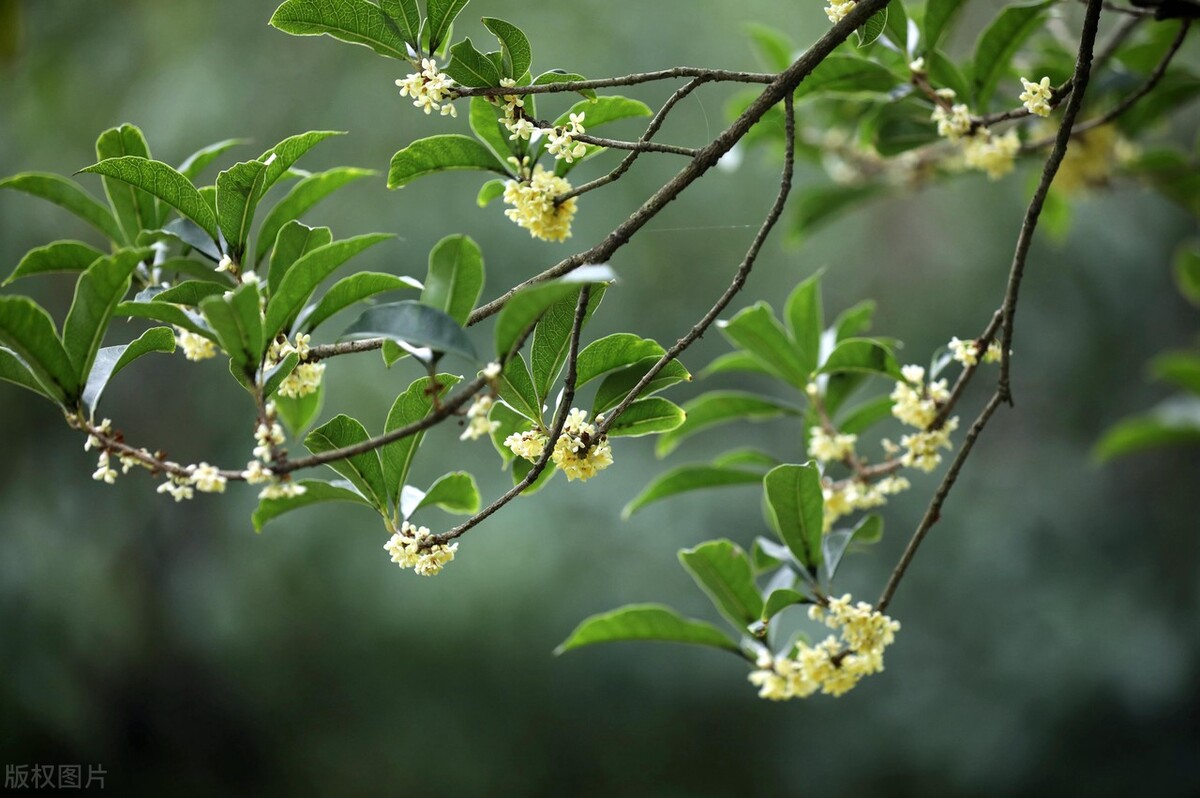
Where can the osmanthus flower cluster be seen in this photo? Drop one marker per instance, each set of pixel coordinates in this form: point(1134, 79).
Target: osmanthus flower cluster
point(836, 664)
point(410, 548)
point(580, 451)
point(430, 89)
point(537, 207)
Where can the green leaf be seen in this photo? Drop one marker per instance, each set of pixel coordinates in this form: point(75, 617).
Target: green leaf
point(239, 189)
point(411, 406)
point(199, 160)
point(14, 370)
point(187, 233)
point(491, 190)
point(806, 320)
point(869, 529)
point(238, 327)
point(167, 314)
point(309, 271)
point(485, 123)
point(1180, 368)
point(97, 293)
point(603, 110)
point(998, 43)
point(273, 377)
point(822, 204)
point(872, 29)
point(746, 458)
point(507, 421)
point(442, 14)
point(723, 572)
point(415, 325)
point(27, 329)
point(293, 241)
point(190, 292)
point(651, 622)
point(61, 256)
point(552, 339)
point(302, 197)
point(898, 127)
point(521, 468)
point(298, 413)
point(440, 154)
point(524, 309)
point(455, 278)
point(939, 15)
point(756, 330)
point(407, 17)
point(470, 67)
point(686, 479)
point(735, 362)
point(515, 387)
point(555, 76)
point(202, 271)
point(944, 73)
point(897, 26)
point(855, 320)
point(363, 470)
point(862, 354)
point(773, 48)
point(796, 507)
point(352, 289)
point(866, 415)
point(779, 600)
point(156, 178)
point(616, 386)
point(316, 491)
point(111, 359)
point(136, 210)
point(722, 407)
point(1174, 422)
point(1187, 272)
point(518, 55)
point(280, 158)
point(612, 352)
point(455, 492)
point(646, 417)
point(353, 21)
point(67, 194)
point(847, 75)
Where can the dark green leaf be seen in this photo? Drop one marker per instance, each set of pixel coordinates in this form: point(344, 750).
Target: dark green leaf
point(603, 110)
point(612, 352)
point(686, 479)
point(27, 329)
point(1180, 368)
point(515, 386)
point(61, 256)
point(866, 415)
point(756, 330)
point(723, 572)
point(306, 273)
point(97, 293)
point(455, 493)
point(816, 206)
point(67, 194)
point(855, 320)
point(773, 48)
point(518, 55)
point(872, 29)
point(352, 289)
point(734, 362)
point(411, 406)
point(645, 622)
point(1174, 422)
point(415, 325)
point(293, 241)
point(616, 386)
point(156, 178)
point(186, 232)
point(868, 530)
point(407, 17)
point(746, 458)
point(998, 43)
point(237, 324)
point(363, 470)
point(847, 75)
point(722, 407)
point(945, 74)
point(166, 313)
point(274, 376)
point(559, 76)
point(552, 339)
point(1187, 272)
point(14, 370)
point(862, 354)
point(796, 508)
point(440, 154)
point(303, 196)
point(485, 123)
point(239, 189)
point(135, 209)
point(111, 359)
point(353, 21)
point(455, 278)
point(939, 15)
point(470, 67)
point(806, 321)
point(315, 492)
point(779, 600)
point(200, 159)
point(442, 14)
point(190, 292)
point(646, 417)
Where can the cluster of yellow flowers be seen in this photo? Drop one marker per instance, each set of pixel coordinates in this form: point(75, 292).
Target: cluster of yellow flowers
point(824, 447)
point(981, 150)
point(407, 551)
point(838, 9)
point(430, 89)
point(1091, 157)
point(843, 498)
point(916, 404)
point(195, 347)
point(534, 206)
point(579, 452)
point(306, 377)
point(834, 666)
point(560, 141)
point(1036, 96)
point(478, 424)
point(967, 352)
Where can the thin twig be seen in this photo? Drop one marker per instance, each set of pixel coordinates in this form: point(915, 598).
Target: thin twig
point(636, 146)
point(739, 279)
point(560, 419)
point(717, 75)
point(1083, 68)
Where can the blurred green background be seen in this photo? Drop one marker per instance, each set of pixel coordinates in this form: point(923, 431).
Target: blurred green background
point(1050, 641)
